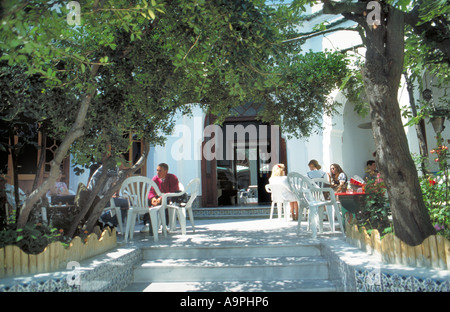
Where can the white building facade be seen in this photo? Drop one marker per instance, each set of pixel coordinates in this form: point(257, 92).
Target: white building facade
point(345, 140)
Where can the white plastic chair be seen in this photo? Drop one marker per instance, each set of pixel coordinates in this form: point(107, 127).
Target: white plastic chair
point(320, 182)
point(136, 190)
point(192, 189)
point(115, 209)
point(282, 205)
point(310, 196)
point(10, 199)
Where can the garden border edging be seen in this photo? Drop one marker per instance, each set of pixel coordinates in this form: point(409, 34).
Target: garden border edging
point(353, 270)
point(90, 276)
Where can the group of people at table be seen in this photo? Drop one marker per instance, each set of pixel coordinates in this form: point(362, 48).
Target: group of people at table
point(337, 179)
point(168, 183)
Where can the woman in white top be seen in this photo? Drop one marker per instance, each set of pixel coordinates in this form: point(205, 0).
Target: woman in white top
point(315, 171)
point(279, 177)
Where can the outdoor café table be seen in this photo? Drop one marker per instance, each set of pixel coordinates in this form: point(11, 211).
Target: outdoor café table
point(351, 202)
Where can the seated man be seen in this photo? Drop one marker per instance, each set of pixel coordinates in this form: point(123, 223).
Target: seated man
point(167, 183)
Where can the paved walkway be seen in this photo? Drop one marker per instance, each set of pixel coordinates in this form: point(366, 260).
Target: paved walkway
point(227, 232)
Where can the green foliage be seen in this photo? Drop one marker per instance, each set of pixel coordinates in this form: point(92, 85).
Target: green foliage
point(376, 210)
point(436, 192)
point(155, 58)
point(302, 94)
point(32, 239)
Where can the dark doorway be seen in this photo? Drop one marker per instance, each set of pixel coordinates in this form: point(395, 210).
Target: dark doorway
point(245, 168)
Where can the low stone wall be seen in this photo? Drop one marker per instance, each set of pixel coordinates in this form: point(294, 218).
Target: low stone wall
point(112, 271)
point(353, 270)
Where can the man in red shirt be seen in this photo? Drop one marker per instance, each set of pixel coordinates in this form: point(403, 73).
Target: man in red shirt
point(167, 183)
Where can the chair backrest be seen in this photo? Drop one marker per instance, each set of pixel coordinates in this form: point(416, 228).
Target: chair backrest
point(193, 188)
point(302, 187)
point(136, 190)
point(276, 191)
point(311, 191)
point(9, 189)
point(321, 182)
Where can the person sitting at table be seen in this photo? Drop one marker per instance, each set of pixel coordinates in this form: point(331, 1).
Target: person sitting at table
point(315, 170)
point(59, 188)
point(279, 177)
point(167, 183)
point(59, 193)
point(371, 171)
point(337, 178)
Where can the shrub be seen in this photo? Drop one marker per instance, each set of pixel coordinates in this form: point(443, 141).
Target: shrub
point(376, 210)
point(436, 192)
point(33, 238)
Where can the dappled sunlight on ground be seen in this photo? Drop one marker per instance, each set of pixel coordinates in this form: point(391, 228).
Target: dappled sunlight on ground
point(232, 232)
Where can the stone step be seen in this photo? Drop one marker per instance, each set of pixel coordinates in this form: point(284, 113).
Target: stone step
point(299, 250)
point(308, 285)
point(231, 269)
point(257, 211)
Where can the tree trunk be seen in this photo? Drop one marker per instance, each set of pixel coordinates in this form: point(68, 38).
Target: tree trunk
point(92, 196)
point(381, 74)
point(123, 174)
point(420, 130)
point(13, 153)
point(41, 161)
point(75, 132)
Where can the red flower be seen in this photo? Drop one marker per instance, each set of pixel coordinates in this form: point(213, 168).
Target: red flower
point(432, 182)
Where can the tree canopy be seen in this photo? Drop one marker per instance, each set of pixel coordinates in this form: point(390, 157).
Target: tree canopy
point(129, 66)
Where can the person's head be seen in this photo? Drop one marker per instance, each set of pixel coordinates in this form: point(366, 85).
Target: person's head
point(371, 165)
point(335, 169)
point(314, 164)
point(161, 170)
point(278, 170)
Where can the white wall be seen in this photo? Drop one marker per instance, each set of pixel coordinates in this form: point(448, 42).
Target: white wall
point(182, 151)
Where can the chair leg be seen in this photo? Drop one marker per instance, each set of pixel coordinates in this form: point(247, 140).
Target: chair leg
point(172, 219)
point(287, 211)
point(132, 224)
point(299, 220)
point(191, 218)
point(44, 215)
point(330, 212)
point(339, 217)
point(162, 220)
point(320, 216)
point(154, 222)
point(181, 213)
point(119, 218)
point(129, 218)
point(314, 219)
point(272, 206)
